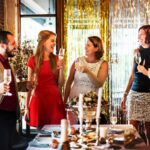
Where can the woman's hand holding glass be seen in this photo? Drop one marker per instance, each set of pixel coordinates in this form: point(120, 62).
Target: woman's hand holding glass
point(61, 53)
point(142, 69)
point(138, 58)
point(80, 67)
point(60, 63)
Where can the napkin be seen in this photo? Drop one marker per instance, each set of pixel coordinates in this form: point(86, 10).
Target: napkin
point(35, 143)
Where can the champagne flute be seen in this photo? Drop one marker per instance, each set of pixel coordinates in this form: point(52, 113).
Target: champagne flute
point(78, 65)
point(7, 79)
point(61, 53)
point(113, 117)
point(138, 58)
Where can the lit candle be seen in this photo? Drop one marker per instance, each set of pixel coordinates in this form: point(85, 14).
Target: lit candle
point(80, 106)
point(99, 103)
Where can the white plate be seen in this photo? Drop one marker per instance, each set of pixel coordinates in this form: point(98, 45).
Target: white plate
point(119, 139)
point(51, 128)
point(75, 145)
point(101, 147)
point(76, 106)
point(116, 130)
point(43, 140)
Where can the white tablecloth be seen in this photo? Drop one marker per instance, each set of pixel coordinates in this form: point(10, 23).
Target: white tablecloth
point(47, 140)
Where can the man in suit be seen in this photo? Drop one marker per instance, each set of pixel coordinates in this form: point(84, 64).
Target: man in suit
point(8, 103)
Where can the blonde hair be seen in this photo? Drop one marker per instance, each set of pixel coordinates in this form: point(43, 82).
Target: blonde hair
point(39, 55)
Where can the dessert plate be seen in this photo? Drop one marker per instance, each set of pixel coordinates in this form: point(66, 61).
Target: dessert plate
point(116, 130)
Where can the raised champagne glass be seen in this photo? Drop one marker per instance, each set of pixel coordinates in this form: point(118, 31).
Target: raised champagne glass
point(7, 80)
point(137, 58)
point(61, 53)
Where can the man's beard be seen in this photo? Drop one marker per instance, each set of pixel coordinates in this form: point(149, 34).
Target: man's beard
point(10, 53)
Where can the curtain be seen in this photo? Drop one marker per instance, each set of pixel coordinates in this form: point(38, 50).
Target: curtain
point(125, 17)
point(117, 23)
point(81, 19)
point(85, 18)
point(104, 31)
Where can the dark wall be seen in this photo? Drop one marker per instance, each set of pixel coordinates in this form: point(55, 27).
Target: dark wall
point(1, 14)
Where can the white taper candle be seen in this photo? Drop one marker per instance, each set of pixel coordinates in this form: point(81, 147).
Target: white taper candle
point(80, 106)
point(99, 103)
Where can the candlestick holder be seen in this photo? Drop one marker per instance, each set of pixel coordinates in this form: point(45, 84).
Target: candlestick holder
point(81, 129)
point(97, 131)
point(81, 125)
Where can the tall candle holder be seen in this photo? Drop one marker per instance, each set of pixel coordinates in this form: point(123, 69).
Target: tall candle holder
point(97, 131)
point(98, 116)
point(80, 109)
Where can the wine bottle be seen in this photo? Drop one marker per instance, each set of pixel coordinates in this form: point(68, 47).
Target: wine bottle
point(64, 144)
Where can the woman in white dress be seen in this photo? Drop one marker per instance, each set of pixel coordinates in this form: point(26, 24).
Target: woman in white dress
point(89, 72)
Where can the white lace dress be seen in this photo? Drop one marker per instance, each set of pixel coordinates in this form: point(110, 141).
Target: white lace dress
point(82, 83)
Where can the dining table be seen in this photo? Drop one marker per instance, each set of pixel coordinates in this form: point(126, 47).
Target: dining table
point(116, 133)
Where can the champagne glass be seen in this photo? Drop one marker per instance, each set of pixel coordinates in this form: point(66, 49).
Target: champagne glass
point(78, 65)
point(61, 53)
point(113, 117)
point(138, 58)
point(7, 79)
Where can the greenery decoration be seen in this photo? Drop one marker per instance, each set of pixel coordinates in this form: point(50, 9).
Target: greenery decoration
point(19, 62)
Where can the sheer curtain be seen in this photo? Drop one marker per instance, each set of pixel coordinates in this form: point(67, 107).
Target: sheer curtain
point(81, 20)
point(125, 16)
point(85, 18)
point(117, 22)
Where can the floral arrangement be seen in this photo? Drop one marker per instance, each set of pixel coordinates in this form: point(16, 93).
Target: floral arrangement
point(90, 100)
point(20, 61)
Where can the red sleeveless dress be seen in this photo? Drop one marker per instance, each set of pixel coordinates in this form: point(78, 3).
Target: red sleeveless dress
point(46, 105)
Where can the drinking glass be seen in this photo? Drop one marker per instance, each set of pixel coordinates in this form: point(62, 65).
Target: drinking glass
point(61, 53)
point(78, 65)
point(7, 79)
point(113, 117)
point(137, 58)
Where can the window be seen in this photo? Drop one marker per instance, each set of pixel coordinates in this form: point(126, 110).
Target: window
point(36, 15)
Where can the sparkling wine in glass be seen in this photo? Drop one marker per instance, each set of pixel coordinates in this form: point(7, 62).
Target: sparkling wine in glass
point(78, 65)
point(113, 118)
point(138, 58)
point(7, 79)
point(61, 53)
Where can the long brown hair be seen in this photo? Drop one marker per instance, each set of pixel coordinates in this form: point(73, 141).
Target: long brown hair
point(146, 28)
point(39, 55)
point(97, 42)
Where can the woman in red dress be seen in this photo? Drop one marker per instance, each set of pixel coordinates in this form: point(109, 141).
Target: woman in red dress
point(44, 103)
